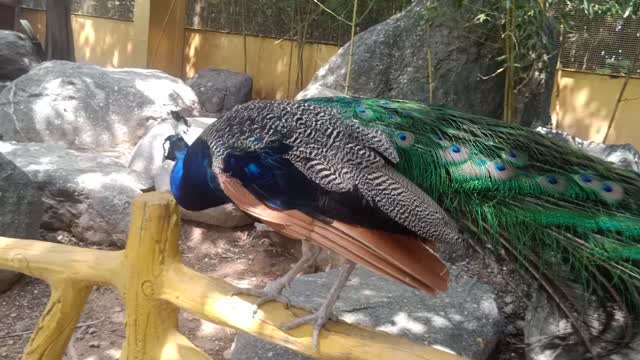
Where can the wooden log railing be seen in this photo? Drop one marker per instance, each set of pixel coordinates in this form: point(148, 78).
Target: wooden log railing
point(155, 285)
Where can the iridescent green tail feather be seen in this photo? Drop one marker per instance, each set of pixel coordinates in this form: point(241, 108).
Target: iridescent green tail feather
point(571, 219)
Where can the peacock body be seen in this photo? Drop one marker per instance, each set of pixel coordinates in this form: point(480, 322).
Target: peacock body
point(572, 221)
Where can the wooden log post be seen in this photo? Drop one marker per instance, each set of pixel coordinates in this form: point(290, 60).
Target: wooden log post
point(58, 321)
point(152, 324)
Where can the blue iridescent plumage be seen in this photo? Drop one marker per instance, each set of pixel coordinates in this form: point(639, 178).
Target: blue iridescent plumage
point(193, 183)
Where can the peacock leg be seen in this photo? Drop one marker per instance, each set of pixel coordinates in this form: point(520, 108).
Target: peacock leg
point(273, 291)
point(320, 317)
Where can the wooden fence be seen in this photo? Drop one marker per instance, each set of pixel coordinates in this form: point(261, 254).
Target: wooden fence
point(155, 285)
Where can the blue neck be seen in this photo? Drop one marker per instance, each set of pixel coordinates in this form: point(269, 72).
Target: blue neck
point(193, 183)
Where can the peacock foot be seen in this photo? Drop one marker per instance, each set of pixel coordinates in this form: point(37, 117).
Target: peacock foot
point(272, 292)
point(317, 319)
point(320, 317)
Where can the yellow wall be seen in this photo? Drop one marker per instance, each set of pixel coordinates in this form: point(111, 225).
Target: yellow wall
point(110, 43)
point(583, 103)
point(268, 60)
point(99, 41)
point(166, 36)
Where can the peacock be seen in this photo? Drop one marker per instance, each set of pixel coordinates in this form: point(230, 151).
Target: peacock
point(405, 189)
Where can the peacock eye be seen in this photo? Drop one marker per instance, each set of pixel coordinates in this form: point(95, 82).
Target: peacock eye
point(364, 113)
point(456, 153)
point(586, 178)
point(607, 187)
point(501, 167)
point(404, 139)
point(553, 183)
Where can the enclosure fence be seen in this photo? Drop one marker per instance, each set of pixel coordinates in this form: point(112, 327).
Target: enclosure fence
point(601, 44)
point(155, 285)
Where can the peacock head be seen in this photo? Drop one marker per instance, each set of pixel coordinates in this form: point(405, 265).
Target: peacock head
point(174, 146)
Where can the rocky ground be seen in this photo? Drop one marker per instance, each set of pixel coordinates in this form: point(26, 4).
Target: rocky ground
point(243, 257)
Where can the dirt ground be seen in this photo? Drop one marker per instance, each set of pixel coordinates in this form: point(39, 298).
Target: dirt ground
point(243, 257)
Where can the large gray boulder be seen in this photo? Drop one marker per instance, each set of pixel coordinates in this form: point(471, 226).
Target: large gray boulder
point(464, 320)
point(389, 61)
point(87, 106)
point(623, 155)
point(86, 195)
point(20, 210)
point(17, 55)
point(220, 90)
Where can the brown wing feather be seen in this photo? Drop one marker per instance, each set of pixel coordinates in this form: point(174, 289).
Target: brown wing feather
point(405, 258)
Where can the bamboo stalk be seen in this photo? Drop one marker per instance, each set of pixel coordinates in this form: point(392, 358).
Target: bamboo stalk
point(429, 56)
point(620, 95)
point(354, 20)
point(509, 35)
point(244, 35)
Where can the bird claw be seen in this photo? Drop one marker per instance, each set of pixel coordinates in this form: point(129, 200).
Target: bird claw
point(318, 319)
point(265, 295)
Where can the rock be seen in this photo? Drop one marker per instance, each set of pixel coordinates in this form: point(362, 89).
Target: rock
point(227, 215)
point(314, 91)
point(17, 55)
point(8, 279)
point(623, 155)
point(20, 210)
point(390, 60)
point(464, 320)
point(533, 98)
point(220, 90)
point(87, 195)
point(87, 106)
point(544, 323)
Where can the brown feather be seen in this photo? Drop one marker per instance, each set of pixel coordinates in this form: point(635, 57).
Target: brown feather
point(405, 258)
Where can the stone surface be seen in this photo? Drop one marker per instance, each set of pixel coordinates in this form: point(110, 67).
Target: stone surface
point(464, 320)
point(220, 90)
point(623, 155)
point(87, 195)
point(17, 55)
point(544, 322)
point(390, 60)
point(87, 106)
point(20, 210)
point(314, 91)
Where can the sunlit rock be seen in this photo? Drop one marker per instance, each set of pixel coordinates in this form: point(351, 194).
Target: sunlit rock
point(87, 106)
point(464, 320)
point(85, 194)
